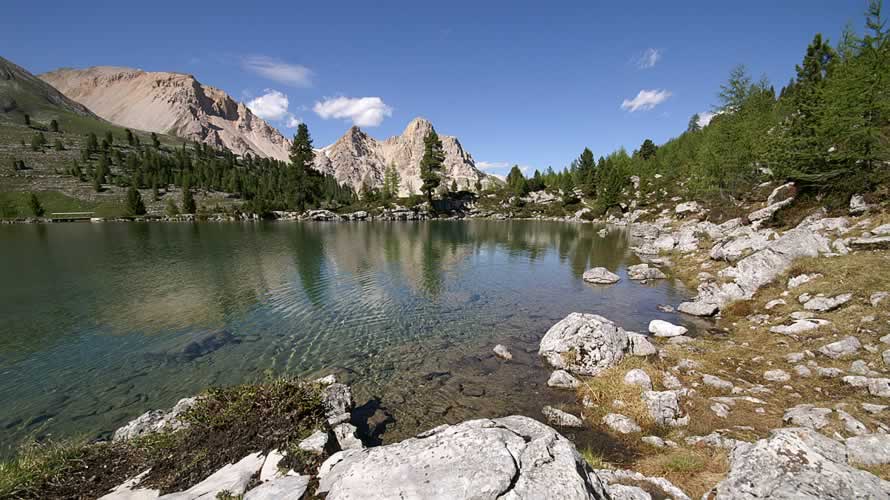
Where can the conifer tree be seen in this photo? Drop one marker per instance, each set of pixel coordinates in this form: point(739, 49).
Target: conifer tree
point(54, 126)
point(647, 149)
point(188, 201)
point(431, 164)
point(35, 206)
point(134, 206)
point(694, 125)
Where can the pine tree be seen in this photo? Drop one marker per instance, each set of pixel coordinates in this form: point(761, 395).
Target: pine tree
point(130, 140)
point(431, 164)
point(134, 206)
point(36, 206)
point(27, 120)
point(92, 143)
point(155, 141)
point(38, 140)
point(109, 138)
point(54, 126)
point(694, 125)
point(302, 157)
point(453, 186)
point(479, 185)
point(58, 146)
point(585, 173)
point(647, 149)
point(188, 201)
point(391, 182)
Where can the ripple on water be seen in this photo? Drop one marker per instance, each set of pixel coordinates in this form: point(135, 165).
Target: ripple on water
point(406, 313)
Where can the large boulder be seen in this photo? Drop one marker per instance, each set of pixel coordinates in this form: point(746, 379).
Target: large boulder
point(796, 463)
point(584, 344)
point(510, 458)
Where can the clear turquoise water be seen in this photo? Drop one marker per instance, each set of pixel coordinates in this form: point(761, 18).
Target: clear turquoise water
point(101, 322)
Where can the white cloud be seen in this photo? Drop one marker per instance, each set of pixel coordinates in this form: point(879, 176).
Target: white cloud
point(646, 100)
point(292, 121)
point(648, 58)
point(705, 117)
point(491, 166)
point(270, 106)
point(274, 69)
point(362, 111)
point(502, 168)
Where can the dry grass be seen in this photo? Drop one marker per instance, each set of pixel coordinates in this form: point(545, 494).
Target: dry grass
point(608, 387)
point(695, 470)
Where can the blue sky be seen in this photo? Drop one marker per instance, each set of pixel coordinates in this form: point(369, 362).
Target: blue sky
point(530, 83)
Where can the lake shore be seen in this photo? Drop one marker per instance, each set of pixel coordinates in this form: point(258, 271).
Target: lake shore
point(795, 364)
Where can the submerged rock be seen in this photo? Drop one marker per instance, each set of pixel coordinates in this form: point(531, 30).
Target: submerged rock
point(510, 458)
point(502, 352)
point(796, 463)
point(584, 344)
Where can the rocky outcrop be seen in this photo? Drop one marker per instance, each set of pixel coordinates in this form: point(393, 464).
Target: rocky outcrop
point(796, 463)
point(511, 458)
point(170, 103)
point(155, 421)
point(357, 159)
point(584, 344)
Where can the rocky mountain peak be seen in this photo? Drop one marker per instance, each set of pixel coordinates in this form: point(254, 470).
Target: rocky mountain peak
point(357, 158)
point(418, 127)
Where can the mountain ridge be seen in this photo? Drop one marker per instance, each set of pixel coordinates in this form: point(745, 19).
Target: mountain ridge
point(170, 102)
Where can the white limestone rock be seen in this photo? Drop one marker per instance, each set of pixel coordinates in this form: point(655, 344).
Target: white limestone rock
point(600, 276)
point(661, 328)
point(584, 344)
point(824, 304)
point(641, 272)
point(502, 352)
point(807, 415)
point(562, 379)
point(520, 458)
point(639, 378)
point(560, 418)
point(620, 423)
point(873, 449)
point(664, 407)
point(796, 463)
point(844, 347)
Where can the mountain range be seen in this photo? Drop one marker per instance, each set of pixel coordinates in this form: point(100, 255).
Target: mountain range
point(178, 104)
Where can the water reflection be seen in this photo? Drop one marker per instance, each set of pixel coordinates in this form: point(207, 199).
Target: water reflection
point(101, 322)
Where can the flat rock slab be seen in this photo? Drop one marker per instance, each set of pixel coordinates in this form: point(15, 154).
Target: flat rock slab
point(283, 488)
point(796, 463)
point(873, 449)
point(510, 458)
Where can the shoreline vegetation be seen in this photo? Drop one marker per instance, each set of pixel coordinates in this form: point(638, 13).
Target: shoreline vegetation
point(775, 211)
